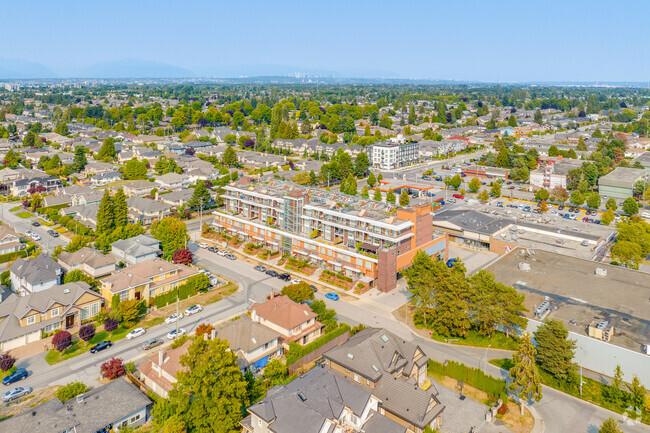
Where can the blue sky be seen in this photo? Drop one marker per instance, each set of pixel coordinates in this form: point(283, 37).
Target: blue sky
point(543, 40)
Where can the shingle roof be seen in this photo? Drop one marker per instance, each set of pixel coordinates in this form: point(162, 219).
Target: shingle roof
point(143, 272)
point(283, 312)
point(89, 256)
point(406, 400)
point(36, 270)
point(245, 335)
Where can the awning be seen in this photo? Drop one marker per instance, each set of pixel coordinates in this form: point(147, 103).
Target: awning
point(369, 247)
point(261, 362)
point(300, 252)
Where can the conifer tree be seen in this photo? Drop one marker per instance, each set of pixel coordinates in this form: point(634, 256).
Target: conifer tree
point(526, 382)
point(120, 209)
point(105, 215)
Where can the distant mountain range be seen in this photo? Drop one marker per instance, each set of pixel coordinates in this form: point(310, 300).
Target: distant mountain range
point(21, 69)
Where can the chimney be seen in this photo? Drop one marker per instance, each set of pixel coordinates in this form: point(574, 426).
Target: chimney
point(160, 361)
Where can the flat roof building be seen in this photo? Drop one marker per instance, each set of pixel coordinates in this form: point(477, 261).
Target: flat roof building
point(620, 182)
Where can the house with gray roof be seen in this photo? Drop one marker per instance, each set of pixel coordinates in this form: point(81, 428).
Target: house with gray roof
point(173, 181)
point(110, 407)
point(146, 210)
point(89, 261)
point(34, 275)
point(318, 401)
point(177, 198)
point(135, 250)
point(9, 240)
point(138, 187)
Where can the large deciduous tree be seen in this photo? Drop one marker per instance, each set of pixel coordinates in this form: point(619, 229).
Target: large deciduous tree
point(172, 234)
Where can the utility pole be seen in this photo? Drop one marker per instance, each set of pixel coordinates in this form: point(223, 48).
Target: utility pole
point(177, 312)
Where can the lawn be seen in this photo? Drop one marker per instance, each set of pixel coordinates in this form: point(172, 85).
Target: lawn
point(14, 209)
point(498, 340)
point(78, 347)
point(24, 214)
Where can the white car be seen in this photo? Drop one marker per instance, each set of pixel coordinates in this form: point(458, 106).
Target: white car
point(203, 245)
point(137, 332)
point(222, 253)
point(193, 309)
point(296, 281)
point(28, 233)
point(172, 334)
point(36, 237)
point(15, 393)
point(174, 318)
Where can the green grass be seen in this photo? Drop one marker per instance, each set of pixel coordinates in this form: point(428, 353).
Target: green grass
point(79, 347)
point(14, 209)
point(24, 214)
point(153, 322)
point(45, 223)
point(498, 340)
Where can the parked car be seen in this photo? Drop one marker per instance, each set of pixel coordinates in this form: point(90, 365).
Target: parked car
point(101, 346)
point(36, 224)
point(333, 296)
point(29, 233)
point(313, 288)
point(458, 196)
point(53, 233)
point(296, 281)
point(271, 273)
point(137, 332)
point(203, 245)
point(15, 393)
point(193, 310)
point(260, 268)
point(231, 257)
point(284, 276)
point(173, 318)
point(560, 207)
point(213, 249)
point(451, 262)
point(36, 237)
point(222, 252)
point(426, 178)
point(173, 335)
point(17, 375)
point(150, 344)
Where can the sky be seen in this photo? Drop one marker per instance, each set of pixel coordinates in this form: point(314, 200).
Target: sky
point(465, 40)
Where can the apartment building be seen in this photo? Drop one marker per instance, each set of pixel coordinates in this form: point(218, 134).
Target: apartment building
point(366, 240)
point(552, 172)
point(391, 155)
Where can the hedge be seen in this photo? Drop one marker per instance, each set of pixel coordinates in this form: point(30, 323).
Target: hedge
point(11, 256)
point(471, 376)
point(297, 351)
point(190, 288)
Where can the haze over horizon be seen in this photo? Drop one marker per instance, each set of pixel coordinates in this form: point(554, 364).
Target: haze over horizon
point(552, 41)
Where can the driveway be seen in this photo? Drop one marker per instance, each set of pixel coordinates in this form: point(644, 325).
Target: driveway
point(21, 225)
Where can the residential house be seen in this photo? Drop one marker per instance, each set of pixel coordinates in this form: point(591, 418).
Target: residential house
point(316, 402)
point(145, 280)
point(37, 179)
point(159, 374)
point(394, 371)
point(177, 198)
point(146, 210)
point(85, 214)
point(138, 187)
point(9, 240)
point(254, 344)
point(295, 322)
point(110, 407)
point(24, 319)
point(135, 250)
point(88, 260)
point(34, 275)
point(105, 178)
point(173, 181)
point(97, 167)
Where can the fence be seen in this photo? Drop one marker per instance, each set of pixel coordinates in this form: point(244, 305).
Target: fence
point(295, 367)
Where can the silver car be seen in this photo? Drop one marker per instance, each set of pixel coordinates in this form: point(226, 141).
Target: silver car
point(15, 393)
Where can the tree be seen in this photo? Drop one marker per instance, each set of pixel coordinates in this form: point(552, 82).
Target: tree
point(110, 324)
point(543, 206)
point(361, 164)
point(129, 310)
point(455, 181)
point(113, 368)
point(512, 122)
point(372, 181)
point(526, 382)
point(611, 204)
point(610, 426)
point(120, 209)
point(496, 189)
point(172, 234)
point(200, 197)
point(183, 256)
point(554, 350)
point(31, 139)
point(627, 253)
point(630, 206)
point(134, 170)
point(107, 152)
point(502, 159)
point(483, 196)
point(87, 332)
point(607, 217)
point(638, 393)
point(474, 184)
point(210, 393)
point(62, 128)
point(559, 194)
point(79, 161)
point(203, 329)
point(62, 340)
point(105, 216)
point(541, 195)
point(593, 200)
point(364, 192)
point(404, 198)
point(582, 146)
point(539, 120)
point(6, 361)
point(275, 372)
point(298, 292)
point(390, 197)
point(577, 198)
point(325, 315)
point(614, 391)
point(377, 195)
point(71, 390)
point(230, 157)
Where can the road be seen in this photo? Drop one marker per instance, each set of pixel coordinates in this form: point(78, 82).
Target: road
point(21, 225)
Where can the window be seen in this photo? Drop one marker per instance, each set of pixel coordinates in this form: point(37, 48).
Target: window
point(94, 309)
point(124, 295)
point(367, 381)
point(31, 319)
point(84, 313)
point(259, 422)
point(357, 378)
point(55, 312)
point(134, 418)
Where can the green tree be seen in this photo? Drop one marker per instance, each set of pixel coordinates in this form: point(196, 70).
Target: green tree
point(62, 128)
point(364, 192)
point(298, 292)
point(129, 311)
point(610, 426)
point(611, 204)
point(496, 189)
point(275, 372)
point(210, 393)
point(541, 195)
point(630, 206)
point(474, 185)
point(526, 382)
point(614, 392)
point(107, 152)
point(627, 253)
point(404, 198)
point(377, 195)
point(538, 117)
point(105, 215)
point(372, 181)
point(79, 275)
point(172, 234)
point(361, 164)
point(120, 209)
point(200, 197)
point(390, 197)
point(593, 200)
point(31, 139)
point(577, 198)
point(512, 122)
point(455, 181)
point(419, 277)
point(554, 349)
point(230, 157)
point(607, 217)
point(135, 169)
point(582, 146)
point(637, 393)
point(483, 196)
point(502, 159)
point(79, 161)
point(71, 390)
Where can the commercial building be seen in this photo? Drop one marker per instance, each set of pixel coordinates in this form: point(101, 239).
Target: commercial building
point(361, 238)
point(552, 172)
point(620, 182)
point(389, 155)
point(485, 172)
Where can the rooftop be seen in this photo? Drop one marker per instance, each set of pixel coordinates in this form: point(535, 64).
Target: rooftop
point(622, 174)
point(283, 312)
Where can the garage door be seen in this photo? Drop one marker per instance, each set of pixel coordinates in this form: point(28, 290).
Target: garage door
point(12, 344)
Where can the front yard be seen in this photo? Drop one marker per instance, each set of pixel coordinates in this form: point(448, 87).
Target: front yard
point(78, 346)
point(24, 214)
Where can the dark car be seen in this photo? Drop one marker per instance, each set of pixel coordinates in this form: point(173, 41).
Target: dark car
point(260, 268)
point(53, 233)
point(576, 210)
point(150, 344)
point(272, 273)
point(213, 249)
point(313, 288)
point(560, 207)
point(100, 346)
point(36, 224)
point(284, 276)
point(17, 375)
point(426, 178)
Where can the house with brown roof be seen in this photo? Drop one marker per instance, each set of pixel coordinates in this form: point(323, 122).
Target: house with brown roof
point(254, 344)
point(9, 240)
point(88, 260)
point(295, 322)
point(145, 280)
point(159, 374)
point(24, 319)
